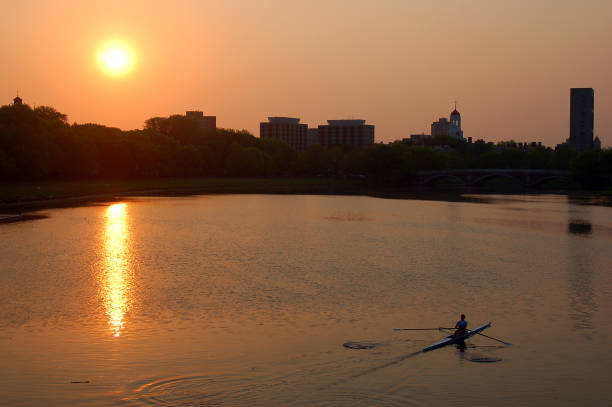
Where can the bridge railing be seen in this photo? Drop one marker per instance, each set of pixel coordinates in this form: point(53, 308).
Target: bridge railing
point(475, 176)
point(494, 170)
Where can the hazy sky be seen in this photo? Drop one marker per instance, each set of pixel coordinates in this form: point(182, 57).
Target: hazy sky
point(397, 64)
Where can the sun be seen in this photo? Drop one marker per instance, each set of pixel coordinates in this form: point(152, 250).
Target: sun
point(115, 58)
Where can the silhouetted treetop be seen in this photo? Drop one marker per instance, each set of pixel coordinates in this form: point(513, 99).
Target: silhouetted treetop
point(49, 113)
point(38, 144)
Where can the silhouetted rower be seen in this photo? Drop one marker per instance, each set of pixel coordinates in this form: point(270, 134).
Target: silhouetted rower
point(461, 326)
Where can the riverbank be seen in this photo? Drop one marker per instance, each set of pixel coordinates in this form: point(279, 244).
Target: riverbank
point(12, 218)
point(17, 198)
point(20, 198)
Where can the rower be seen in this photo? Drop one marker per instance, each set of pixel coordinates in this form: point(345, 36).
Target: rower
point(460, 326)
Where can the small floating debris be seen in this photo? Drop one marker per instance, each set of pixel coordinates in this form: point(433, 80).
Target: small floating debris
point(360, 345)
point(580, 227)
point(484, 359)
point(347, 217)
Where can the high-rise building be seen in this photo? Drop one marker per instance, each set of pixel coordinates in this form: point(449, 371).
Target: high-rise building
point(346, 133)
point(205, 122)
point(440, 128)
point(313, 136)
point(581, 118)
point(287, 129)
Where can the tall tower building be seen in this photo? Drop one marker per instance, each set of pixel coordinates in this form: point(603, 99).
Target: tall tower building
point(444, 127)
point(455, 125)
point(582, 102)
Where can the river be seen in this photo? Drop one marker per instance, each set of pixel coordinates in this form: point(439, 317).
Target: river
point(270, 300)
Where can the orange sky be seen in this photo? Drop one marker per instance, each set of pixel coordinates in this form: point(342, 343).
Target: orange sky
point(397, 64)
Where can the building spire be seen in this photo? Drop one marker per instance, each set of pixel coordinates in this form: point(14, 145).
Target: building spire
point(17, 100)
point(455, 111)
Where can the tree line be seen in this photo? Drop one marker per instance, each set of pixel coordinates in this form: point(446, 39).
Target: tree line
point(39, 144)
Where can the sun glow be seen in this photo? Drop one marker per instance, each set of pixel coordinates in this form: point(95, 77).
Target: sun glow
point(116, 58)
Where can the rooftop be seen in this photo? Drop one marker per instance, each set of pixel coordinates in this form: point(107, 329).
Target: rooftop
point(348, 122)
point(286, 120)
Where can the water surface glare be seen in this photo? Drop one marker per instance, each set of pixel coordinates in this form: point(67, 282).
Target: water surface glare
point(260, 300)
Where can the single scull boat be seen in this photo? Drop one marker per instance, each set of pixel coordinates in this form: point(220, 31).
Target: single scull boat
point(450, 339)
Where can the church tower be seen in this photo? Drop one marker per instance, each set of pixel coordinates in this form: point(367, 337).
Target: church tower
point(455, 124)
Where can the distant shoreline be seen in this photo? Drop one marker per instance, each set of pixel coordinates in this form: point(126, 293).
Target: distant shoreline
point(21, 198)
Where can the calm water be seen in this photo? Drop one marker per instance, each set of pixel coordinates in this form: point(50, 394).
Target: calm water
point(247, 300)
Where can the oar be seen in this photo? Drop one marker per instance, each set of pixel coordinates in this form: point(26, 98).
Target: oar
point(495, 339)
point(417, 329)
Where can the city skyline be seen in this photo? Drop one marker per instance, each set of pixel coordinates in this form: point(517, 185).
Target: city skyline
point(399, 65)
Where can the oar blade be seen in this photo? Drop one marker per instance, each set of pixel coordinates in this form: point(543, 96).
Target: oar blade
point(495, 339)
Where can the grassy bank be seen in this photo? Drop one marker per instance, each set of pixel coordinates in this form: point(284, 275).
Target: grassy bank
point(28, 196)
point(24, 197)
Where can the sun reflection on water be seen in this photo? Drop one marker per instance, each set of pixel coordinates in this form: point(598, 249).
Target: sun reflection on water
point(115, 284)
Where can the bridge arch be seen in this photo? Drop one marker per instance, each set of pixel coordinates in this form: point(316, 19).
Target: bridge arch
point(547, 178)
point(483, 178)
point(434, 178)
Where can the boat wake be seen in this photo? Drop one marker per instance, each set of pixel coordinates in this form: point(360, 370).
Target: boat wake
point(372, 369)
point(484, 359)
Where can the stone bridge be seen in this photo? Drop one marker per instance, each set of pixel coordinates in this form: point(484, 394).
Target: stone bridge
point(475, 177)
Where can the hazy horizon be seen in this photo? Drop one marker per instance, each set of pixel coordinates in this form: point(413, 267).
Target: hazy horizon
point(397, 64)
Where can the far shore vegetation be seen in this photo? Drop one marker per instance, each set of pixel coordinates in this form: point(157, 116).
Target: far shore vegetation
point(40, 194)
point(44, 157)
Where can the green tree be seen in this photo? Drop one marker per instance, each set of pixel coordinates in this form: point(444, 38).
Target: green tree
point(284, 157)
point(562, 158)
point(512, 158)
point(49, 113)
point(316, 161)
point(388, 163)
point(181, 128)
point(539, 158)
point(248, 162)
point(591, 169)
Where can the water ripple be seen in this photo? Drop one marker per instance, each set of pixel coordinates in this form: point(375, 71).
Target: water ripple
point(192, 391)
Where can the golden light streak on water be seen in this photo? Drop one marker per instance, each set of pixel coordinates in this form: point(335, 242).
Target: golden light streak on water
point(116, 264)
